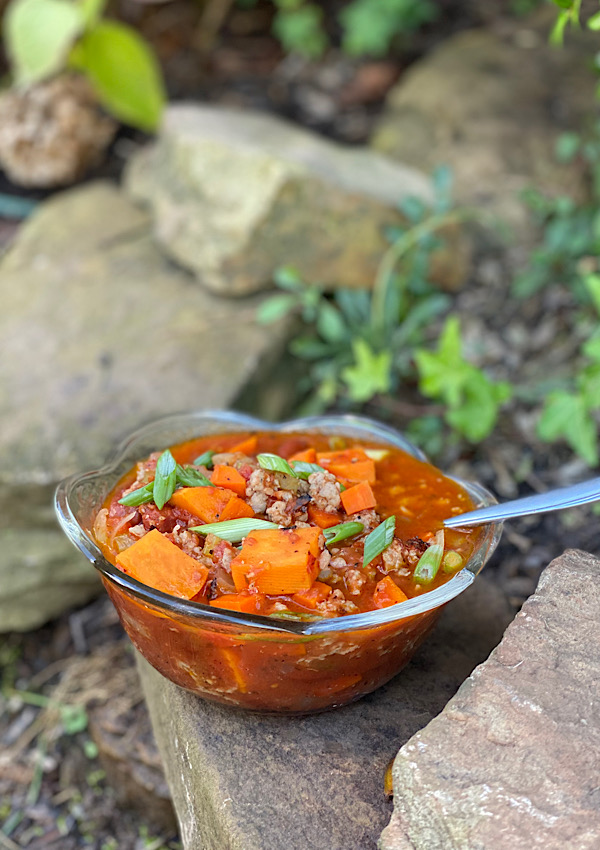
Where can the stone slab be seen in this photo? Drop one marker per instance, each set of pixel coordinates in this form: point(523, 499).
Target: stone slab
point(99, 334)
point(512, 761)
point(243, 781)
point(235, 195)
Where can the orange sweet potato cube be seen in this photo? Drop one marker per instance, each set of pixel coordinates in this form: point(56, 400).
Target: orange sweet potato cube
point(157, 562)
point(278, 561)
point(207, 503)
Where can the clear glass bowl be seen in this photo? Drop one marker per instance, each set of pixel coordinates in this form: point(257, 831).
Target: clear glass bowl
point(247, 660)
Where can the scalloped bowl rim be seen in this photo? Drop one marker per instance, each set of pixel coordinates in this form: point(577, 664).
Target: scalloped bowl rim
point(343, 423)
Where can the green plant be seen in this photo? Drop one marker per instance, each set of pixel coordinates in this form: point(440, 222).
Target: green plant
point(571, 412)
point(570, 241)
point(471, 400)
point(570, 14)
point(45, 37)
point(360, 343)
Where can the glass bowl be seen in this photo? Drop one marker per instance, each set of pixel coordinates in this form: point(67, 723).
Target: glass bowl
point(247, 660)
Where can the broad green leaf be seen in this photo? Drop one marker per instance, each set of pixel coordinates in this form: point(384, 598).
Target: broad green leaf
point(592, 284)
point(275, 308)
point(370, 373)
point(588, 384)
point(287, 277)
point(302, 469)
point(567, 146)
point(124, 73)
point(39, 35)
point(565, 415)
point(300, 30)
point(591, 349)
point(92, 11)
point(330, 323)
point(593, 23)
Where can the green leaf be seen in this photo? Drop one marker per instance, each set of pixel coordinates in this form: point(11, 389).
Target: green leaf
point(429, 562)
point(567, 146)
point(591, 349)
point(302, 469)
point(566, 415)
point(370, 374)
point(275, 308)
point(92, 11)
point(379, 539)
point(330, 324)
point(187, 476)
point(342, 532)
point(74, 718)
point(588, 384)
point(205, 459)
point(558, 30)
point(124, 73)
point(287, 277)
point(165, 479)
point(274, 463)
point(593, 23)
point(39, 35)
point(233, 530)
point(300, 30)
point(138, 497)
point(592, 284)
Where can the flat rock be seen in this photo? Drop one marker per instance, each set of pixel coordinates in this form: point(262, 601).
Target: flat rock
point(491, 105)
point(511, 763)
point(234, 195)
point(100, 334)
point(244, 781)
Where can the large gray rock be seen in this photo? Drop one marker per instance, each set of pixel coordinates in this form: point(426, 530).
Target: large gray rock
point(245, 781)
point(99, 334)
point(491, 105)
point(235, 195)
point(512, 761)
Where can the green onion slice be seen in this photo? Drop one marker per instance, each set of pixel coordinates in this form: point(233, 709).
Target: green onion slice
point(187, 476)
point(205, 459)
point(292, 615)
point(138, 497)
point(430, 560)
point(342, 531)
point(301, 469)
point(274, 463)
point(233, 530)
point(379, 539)
point(165, 479)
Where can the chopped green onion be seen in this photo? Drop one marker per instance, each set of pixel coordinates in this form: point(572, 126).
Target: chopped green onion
point(303, 470)
point(205, 459)
point(379, 539)
point(430, 560)
point(342, 531)
point(233, 530)
point(274, 463)
point(165, 479)
point(187, 476)
point(376, 454)
point(452, 561)
point(138, 497)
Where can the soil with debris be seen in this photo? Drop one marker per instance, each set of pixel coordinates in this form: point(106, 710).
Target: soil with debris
point(78, 764)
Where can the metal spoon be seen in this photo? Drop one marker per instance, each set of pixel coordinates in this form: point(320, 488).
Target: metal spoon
point(541, 503)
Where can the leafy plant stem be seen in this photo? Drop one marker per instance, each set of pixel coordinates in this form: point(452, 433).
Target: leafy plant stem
point(396, 251)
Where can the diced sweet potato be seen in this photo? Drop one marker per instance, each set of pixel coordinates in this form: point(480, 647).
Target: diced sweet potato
point(211, 504)
point(230, 478)
point(246, 447)
point(324, 519)
point(306, 456)
point(310, 598)
point(278, 561)
point(360, 497)
point(387, 593)
point(248, 603)
point(349, 464)
point(157, 562)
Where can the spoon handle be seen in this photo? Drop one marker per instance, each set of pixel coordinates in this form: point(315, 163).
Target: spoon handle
point(553, 500)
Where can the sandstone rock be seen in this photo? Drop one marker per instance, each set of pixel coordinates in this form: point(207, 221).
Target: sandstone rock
point(53, 132)
point(245, 781)
point(512, 761)
point(491, 106)
point(99, 335)
point(235, 195)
